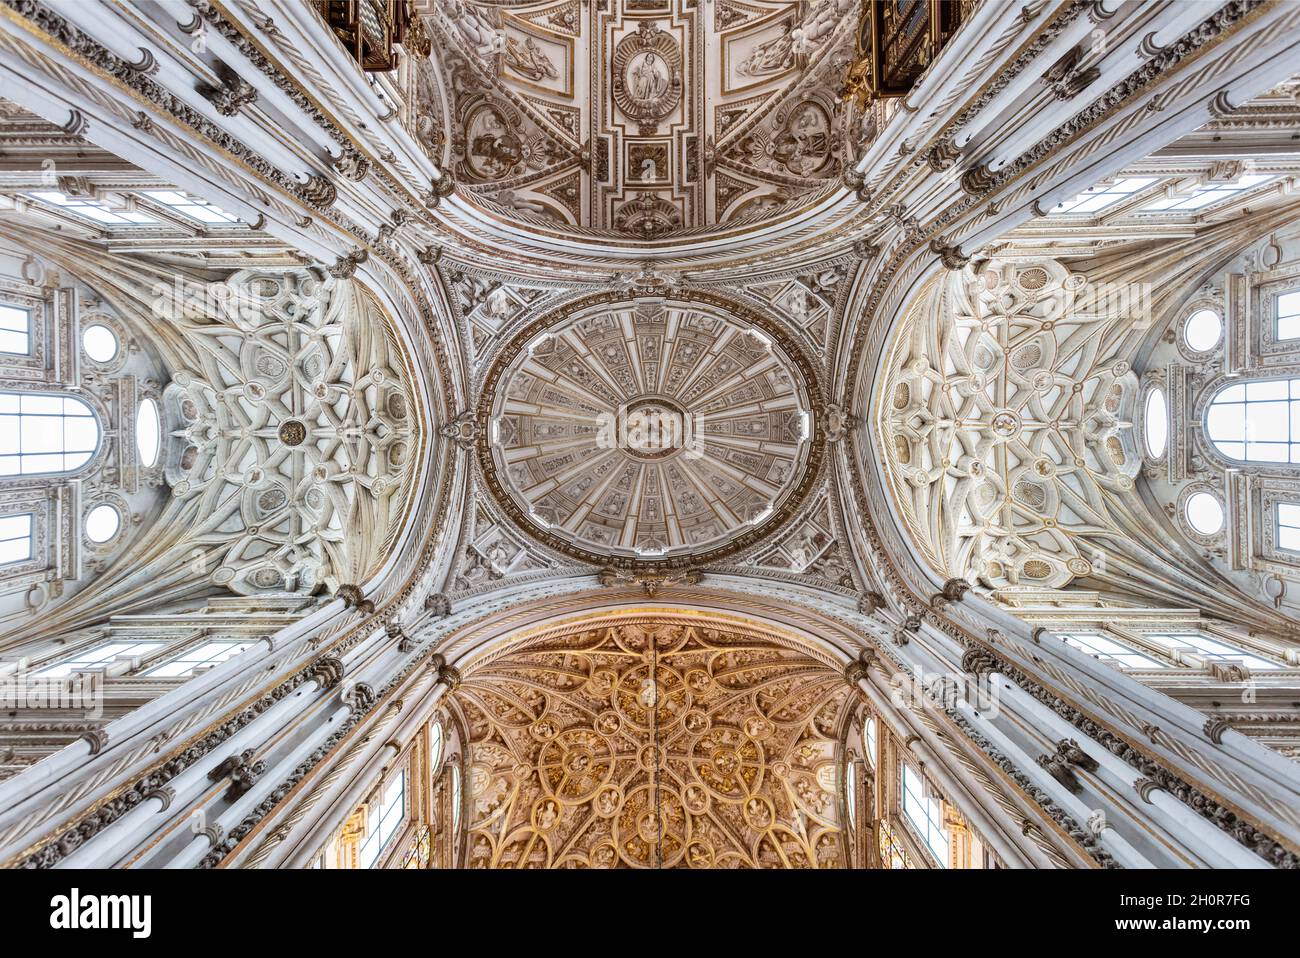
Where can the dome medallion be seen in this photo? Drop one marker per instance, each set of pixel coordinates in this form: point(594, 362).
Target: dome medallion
point(646, 432)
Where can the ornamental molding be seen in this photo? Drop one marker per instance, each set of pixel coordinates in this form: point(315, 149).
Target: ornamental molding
point(1082, 836)
point(142, 84)
point(979, 185)
point(652, 583)
point(54, 848)
point(1222, 816)
point(317, 193)
point(242, 770)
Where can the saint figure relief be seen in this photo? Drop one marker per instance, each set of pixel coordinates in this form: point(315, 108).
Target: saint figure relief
point(649, 79)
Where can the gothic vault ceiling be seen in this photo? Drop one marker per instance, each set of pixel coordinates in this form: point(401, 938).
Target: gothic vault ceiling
point(635, 118)
point(654, 742)
point(650, 430)
point(1007, 423)
point(295, 431)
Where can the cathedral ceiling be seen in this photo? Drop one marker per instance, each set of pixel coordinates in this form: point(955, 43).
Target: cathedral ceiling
point(654, 742)
point(640, 119)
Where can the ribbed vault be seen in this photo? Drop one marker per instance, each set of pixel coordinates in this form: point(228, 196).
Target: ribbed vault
point(1006, 422)
point(654, 741)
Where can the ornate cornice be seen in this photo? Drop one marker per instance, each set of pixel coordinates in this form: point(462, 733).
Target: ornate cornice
point(351, 162)
point(1083, 837)
point(53, 849)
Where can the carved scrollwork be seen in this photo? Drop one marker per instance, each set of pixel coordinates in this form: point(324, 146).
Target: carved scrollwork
point(949, 254)
point(837, 422)
point(437, 604)
point(351, 164)
point(943, 155)
point(450, 676)
point(242, 771)
point(360, 697)
point(652, 583)
point(346, 266)
point(232, 95)
point(1214, 730)
point(354, 598)
point(327, 671)
point(978, 662)
point(463, 430)
point(953, 591)
point(1145, 787)
point(1067, 78)
point(869, 603)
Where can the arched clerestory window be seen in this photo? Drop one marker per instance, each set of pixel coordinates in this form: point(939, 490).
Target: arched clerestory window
point(1257, 421)
point(43, 433)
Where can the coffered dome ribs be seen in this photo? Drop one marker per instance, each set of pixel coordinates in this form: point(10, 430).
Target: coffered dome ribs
point(654, 431)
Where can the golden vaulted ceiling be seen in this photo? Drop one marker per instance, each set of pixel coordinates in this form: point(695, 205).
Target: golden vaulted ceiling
point(641, 118)
point(654, 740)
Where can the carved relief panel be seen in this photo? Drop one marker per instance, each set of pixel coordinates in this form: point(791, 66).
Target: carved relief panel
point(643, 119)
point(655, 745)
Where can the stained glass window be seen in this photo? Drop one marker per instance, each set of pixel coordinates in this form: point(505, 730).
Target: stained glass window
point(455, 799)
point(420, 850)
point(892, 852)
point(435, 746)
